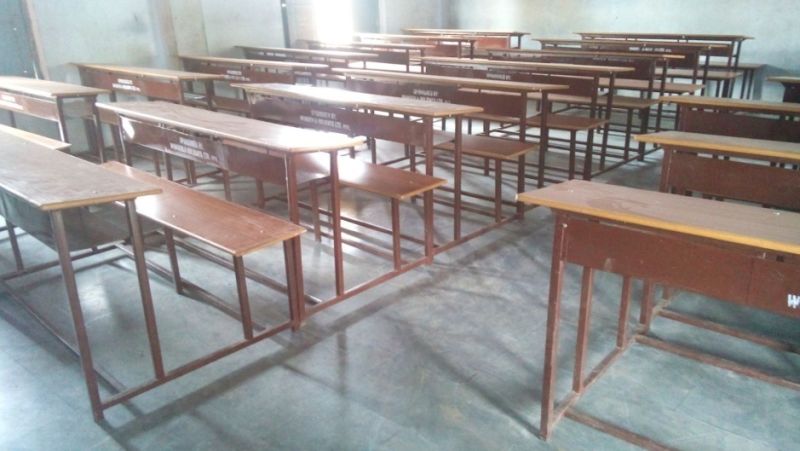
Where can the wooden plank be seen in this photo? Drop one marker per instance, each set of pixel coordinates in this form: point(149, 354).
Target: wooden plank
point(475, 83)
point(256, 63)
point(150, 72)
point(323, 53)
point(780, 150)
point(336, 96)
point(46, 88)
point(234, 228)
point(681, 36)
point(724, 221)
point(52, 180)
point(754, 106)
point(52, 144)
point(274, 137)
point(785, 79)
point(590, 53)
point(633, 84)
point(711, 75)
point(522, 65)
point(632, 43)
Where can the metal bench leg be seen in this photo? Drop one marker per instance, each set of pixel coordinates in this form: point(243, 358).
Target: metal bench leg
point(261, 199)
point(314, 191)
point(646, 309)
point(168, 164)
point(157, 162)
point(498, 190)
point(584, 316)
point(144, 289)
point(645, 124)
point(521, 179)
point(588, 156)
point(226, 185)
point(294, 281)
point(244, 301)
point(628, 133)
point(81, 336)
point(573, 138)
point(624, 307)
point(12, 237)
point(169, 239)
point(428, 208)
point(396, 251)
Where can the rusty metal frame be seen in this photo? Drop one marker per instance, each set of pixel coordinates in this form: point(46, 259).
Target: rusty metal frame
point(739, 274)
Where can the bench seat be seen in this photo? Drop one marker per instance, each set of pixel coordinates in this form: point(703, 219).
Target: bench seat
point(569, 123)
point(490, 147)
point(377, 179)
point(230, 227)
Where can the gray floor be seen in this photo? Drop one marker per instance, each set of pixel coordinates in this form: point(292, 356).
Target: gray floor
point(444, 357)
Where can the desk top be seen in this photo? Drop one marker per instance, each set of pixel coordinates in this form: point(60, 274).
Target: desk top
point(724, 221)
point(632, 43)
point(354, 99)
point(52, 180)
point(455, 31)
point(582, 68)
point(754, 106)
point(789, 80)
point(683, 36)
point(746, 147)
point(324, 53)
point(235, 228)
point(381, 45)
point(259, 63)
point(711, 75)
point(740, 66)
point(590, 53)
point(669, 87)
point(46, 88)
point(275, 137)
point(462, 82)
point(52, 144)
point(418, 37)
point(149, 72)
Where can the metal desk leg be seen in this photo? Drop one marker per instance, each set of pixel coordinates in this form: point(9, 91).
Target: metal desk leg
point(82, 338)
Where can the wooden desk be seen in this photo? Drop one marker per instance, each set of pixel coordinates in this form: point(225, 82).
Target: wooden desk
point(736, 117)
point(45, 186)
point(749, 75)
point(267, 152)
point(791, 87)
point(445, 45)
point(161, 84)
point(53, 101)
point(508, 36)
point(332, 58)
point(492, 96)
point(251, 71)
point(43, 141)
point(582, 86)
point(350, 112)
point(388, 52)
point(658, 237)
point(751, 170)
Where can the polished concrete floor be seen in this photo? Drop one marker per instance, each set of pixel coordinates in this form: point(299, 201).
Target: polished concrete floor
point(447, 356)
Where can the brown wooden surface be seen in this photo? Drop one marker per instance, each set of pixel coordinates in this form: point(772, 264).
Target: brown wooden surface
point(275, 137)
point(151, 72)
point(578, 68)
point(416, 37)
point(382, 180)
point(740, 66)
point(46, 88)
point(589, 53)
point(755, 106)
point(475, 83)
point(233, 228)
point(632, 43)
point(40, 140)
point(324, 53)
point(683, 36)
point(343, 97)
point(711, 75)
point(458, 31)
point(51, 180)
point(785, 79)
point(671, 88)
point(255, 63)
point(490, 147)
point(784, 151)
point(724, 221)
point(387, 45)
